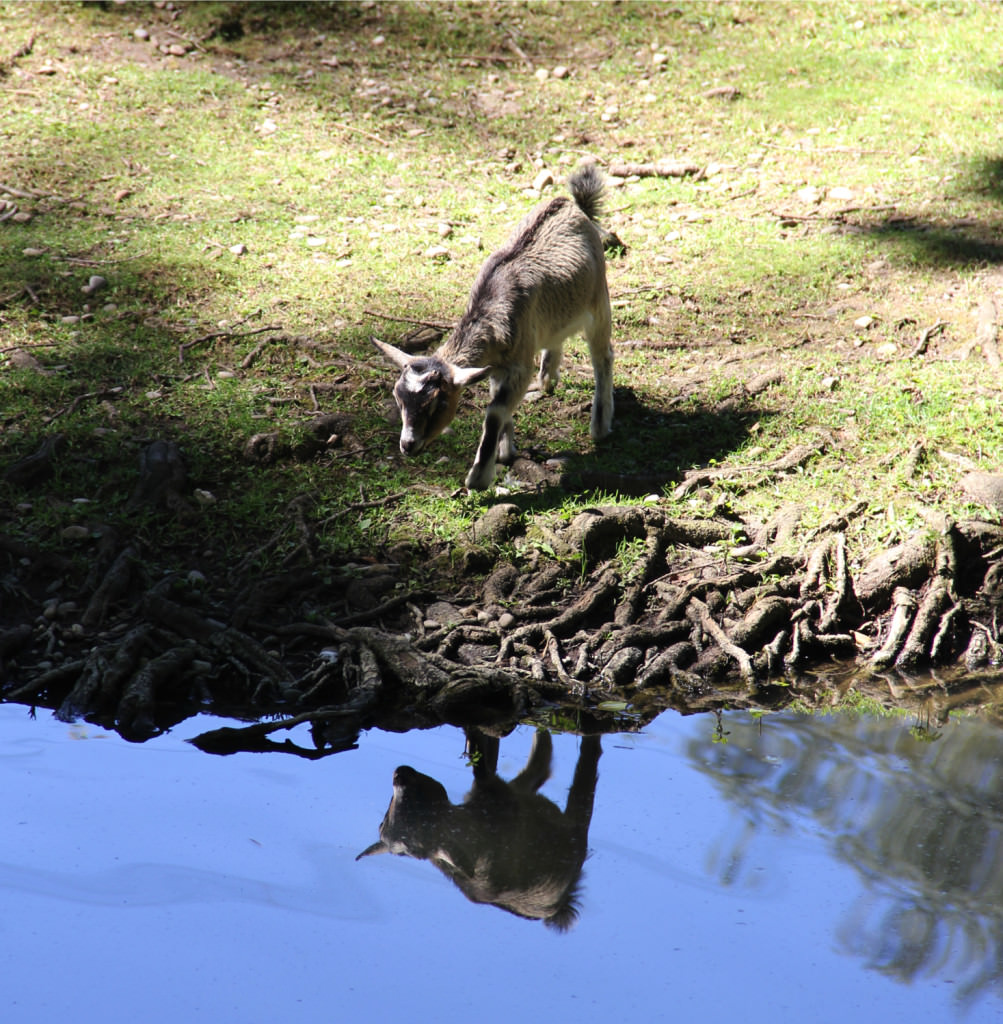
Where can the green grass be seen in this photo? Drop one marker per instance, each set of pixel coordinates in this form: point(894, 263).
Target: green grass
point(333, 140)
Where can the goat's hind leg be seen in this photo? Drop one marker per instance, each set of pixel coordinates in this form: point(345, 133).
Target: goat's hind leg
point(550, 367)
point(599, 335)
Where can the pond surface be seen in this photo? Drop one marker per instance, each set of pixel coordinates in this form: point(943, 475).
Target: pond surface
point(780, 869)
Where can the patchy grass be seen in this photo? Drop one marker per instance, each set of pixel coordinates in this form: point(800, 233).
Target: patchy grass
point(338, 143)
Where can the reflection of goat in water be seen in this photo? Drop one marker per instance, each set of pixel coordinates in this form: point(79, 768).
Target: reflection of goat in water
point(505, 844)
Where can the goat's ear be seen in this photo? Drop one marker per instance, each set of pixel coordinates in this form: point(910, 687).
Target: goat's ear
point(463, 377)
point(394, 355)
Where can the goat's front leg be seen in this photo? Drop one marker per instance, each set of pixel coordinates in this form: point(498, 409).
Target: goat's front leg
point(482, 472)
point(498, 433)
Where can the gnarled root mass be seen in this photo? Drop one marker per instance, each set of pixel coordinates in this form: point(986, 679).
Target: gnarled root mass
point(620, 605)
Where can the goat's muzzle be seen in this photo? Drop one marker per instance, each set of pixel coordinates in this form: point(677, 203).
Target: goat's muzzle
point(411, 445)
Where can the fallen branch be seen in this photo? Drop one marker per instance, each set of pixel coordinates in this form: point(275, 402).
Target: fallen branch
point(22, 193)
point(358, 506)
point(7, 63)
point(231, 334)
point(434, 324)
point(658, 169)
point(924, 339)
point(80, 399)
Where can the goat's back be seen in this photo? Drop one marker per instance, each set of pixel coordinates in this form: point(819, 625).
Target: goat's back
point(550, 272)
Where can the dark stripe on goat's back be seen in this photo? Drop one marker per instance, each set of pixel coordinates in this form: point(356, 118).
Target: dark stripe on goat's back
point(485, 286)
point(527, 236)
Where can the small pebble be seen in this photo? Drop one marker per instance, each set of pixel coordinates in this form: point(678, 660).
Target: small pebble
point(94, 284)
point(542, 180)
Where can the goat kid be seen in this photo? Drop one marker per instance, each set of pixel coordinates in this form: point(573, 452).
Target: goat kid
point(545, 284)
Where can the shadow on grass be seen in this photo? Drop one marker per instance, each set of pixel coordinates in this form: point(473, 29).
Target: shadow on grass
point(94, 380)
point(650, 450)
point(483, 32)
point(986, 177)
point(964, 242)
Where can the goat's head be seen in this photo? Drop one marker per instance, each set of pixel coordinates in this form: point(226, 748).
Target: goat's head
point(417, 821)
point(427, 394)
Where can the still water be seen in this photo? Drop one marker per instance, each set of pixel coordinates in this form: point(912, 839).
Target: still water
point(776, 869)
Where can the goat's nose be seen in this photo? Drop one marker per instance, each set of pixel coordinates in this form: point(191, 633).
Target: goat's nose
point(410, 445)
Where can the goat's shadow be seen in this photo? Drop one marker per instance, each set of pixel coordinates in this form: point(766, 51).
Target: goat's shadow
point(650, 450)
point(505, 844)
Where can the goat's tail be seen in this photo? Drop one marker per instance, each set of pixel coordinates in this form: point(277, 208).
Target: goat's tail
point(586, 185)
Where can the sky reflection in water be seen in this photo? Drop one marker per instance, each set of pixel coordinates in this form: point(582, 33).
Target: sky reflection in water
point(805, 869)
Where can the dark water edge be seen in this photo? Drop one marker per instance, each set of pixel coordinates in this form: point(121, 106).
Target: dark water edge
point(763, 866)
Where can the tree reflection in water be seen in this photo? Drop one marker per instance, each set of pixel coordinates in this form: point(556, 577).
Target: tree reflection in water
point(920, 821)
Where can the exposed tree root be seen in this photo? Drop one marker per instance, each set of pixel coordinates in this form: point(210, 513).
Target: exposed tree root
point(637, 606)
point(34, 468)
